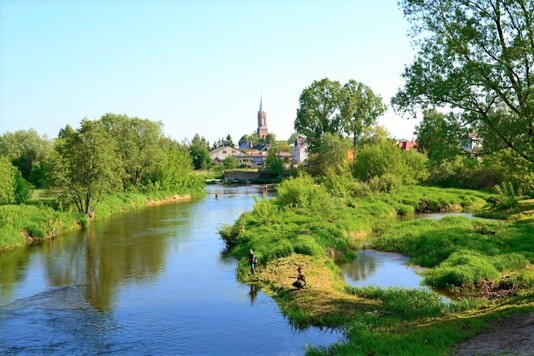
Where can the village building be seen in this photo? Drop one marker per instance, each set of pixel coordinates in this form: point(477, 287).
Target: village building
point(220, 153)
point(300, 154)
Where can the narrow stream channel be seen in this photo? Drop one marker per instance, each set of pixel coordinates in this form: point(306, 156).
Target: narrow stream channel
point(149, 282)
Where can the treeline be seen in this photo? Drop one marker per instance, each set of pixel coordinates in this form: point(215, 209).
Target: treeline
point(113, 154)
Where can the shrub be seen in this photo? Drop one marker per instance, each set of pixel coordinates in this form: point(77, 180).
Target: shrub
point(306, 245)
point(404, 302)
point(461, 269)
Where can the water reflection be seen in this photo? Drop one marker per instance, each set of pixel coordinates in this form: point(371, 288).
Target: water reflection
point(150, 282)
point(253, 293)
point(383, 269)
point(13, 265)
point(439, 216)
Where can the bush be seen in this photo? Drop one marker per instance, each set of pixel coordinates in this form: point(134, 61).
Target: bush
point(404, 302)
point(306, 245)
point(461, 269)
point(387, 183)
point(23, 189)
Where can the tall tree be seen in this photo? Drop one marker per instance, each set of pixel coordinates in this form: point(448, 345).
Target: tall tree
point(332, 156)
point(200, 154)
point(360, 108)
point(25, 149)
point(7, 180)
point(439, 136)
point(138, 144)
point(476, 58)
point(86, 166)
point(274, 163)
point(318, 111)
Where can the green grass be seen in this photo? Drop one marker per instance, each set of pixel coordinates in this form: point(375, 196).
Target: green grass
point(36, 222)
point(306, 220)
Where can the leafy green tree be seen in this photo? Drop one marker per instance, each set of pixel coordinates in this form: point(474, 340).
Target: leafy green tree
point(229, 162)
point(7, 180)
point(373, 135)
point(439, 136)
point(200, 154)
point(360, 108)
point(291, 140)
point(138, 145)
point(318, 111)
point(332, 155)
point(273, 163)
point(86, 166)
point(476, 58)
point(244, 139)
point(229, 142)
point(25, 149)
point(177, 171)
point(270, 138)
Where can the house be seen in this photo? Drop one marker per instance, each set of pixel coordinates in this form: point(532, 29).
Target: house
point(472, 145)
point(300, 154)
point(406, 145)
point(220, 153)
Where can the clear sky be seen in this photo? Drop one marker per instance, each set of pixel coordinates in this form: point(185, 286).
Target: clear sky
point(197, 66)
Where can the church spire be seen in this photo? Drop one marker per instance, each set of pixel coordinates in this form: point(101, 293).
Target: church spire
point(261, 102)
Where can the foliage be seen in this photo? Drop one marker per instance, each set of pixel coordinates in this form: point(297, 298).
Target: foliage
point(403, 302)
point(360, 108)
point(23, 189)
point(137, 145)
point(200, 154)
point(229, 162)
point(86, 166)
point(508, 196)
point(318, 111)
point(7, 181)
point(332, 155)
point(385, 159)
point(439, 136)
point(327, 107)
point(273, 163)
point(475, 58)
point(25, 149)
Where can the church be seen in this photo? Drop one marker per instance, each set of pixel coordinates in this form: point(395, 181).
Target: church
point(262, 121)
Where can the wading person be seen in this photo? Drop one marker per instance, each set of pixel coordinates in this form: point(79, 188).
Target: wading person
point(301, 280)
point(251, 260)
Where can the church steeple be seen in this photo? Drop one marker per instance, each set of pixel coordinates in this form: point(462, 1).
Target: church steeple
point(262, 120)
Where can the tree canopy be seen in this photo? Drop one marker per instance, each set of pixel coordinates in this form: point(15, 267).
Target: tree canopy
point(328, 107)
point(475, 58)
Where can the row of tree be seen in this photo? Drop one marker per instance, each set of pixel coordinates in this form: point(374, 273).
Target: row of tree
point(113, 154)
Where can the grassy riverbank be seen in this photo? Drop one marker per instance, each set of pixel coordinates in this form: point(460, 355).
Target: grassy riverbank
point(486, 264)
point(24, 224)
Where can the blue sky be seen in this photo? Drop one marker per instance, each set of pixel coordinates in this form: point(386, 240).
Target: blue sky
point(197, 66)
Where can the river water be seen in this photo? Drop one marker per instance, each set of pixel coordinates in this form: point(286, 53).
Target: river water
point(148, 282)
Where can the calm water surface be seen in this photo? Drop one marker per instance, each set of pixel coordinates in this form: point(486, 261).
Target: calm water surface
point(382, 269)
point(150, 282)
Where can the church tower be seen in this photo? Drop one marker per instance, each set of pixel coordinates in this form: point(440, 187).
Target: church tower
point(262, 121)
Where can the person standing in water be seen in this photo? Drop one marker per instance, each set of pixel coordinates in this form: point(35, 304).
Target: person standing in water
point(252, 260)
point(301, 280)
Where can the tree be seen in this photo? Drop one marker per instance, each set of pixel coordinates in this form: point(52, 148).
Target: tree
point(25, 149)
point(138, 145)
point(200, 154)
point(439, 136)
point(318, 111)
point(270, 138)
point(273, 163)
point(85, 166)
point(228, 142)
point(291, 140)
point(331, 156)
point(360, 108)
point(7, 181)
point(229, 162)
point(476, 58)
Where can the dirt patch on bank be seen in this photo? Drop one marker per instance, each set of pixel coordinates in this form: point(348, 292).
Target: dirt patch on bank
point(322, 299)
point(169, 200)
point(512, 335)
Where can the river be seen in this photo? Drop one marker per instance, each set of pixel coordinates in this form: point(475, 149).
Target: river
point(149, 282)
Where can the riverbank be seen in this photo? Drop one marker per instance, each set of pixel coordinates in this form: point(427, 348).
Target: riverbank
point(486, 265)
point(22, 225)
